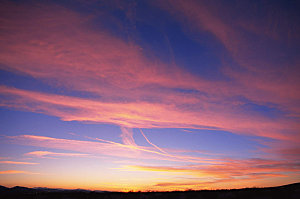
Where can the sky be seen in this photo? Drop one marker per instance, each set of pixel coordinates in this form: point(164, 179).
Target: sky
point(149, 95)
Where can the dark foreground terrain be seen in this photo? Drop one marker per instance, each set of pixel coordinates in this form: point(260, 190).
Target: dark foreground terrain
point(283, 192)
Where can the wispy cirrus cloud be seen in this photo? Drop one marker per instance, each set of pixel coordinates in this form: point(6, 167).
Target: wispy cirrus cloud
point(127, 136)
point(228, 169)
point(267, 71)
point(227, 172)
point(204, 184)
point(16, 162)
point(15, 172)
point(105, 147)
point(43, 154)
point(120, 83)
point(129, 89)
point(161, 150)
point(144, 114)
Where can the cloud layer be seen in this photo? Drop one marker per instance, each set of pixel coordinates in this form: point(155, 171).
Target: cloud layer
point(94, 69)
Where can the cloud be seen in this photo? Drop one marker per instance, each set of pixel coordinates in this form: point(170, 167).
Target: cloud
point(202, 184)
point(172, 184)
point(161, 150)
point(47, 51)
point(227, 173)
point(128, 88)
point(143, 114)
point(42, 154)
point(127, 136)
point(119, 84)
point(266, 71)
point(103, 147)
point(15, 162)
point(228, 169)
point(90, 147)
point(15, 172)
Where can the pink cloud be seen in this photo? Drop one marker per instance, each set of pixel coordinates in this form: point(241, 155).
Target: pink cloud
point(60, 47)
point(127, 136)
point(161, 150)
point(46, 50)
point(208, 170)
point(256, 44)
point(144, 114)
point(53, 154)
point(102, 147)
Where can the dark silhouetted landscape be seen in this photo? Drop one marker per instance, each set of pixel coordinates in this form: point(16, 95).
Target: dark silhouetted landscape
point(291, 191)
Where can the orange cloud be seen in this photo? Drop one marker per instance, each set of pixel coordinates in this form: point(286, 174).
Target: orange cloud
point(226, 174)
point(228, 169)
point(15, 162)
point(172, 184)
point(14, 172)
point(204, 184)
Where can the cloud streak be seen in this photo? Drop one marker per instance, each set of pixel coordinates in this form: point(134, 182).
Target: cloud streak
point(142, 114)
point(129, 89)
point(43, 154)
point(127, 136)
point(15, 172)
point(228, 169)
point(15, 162)
point(267, 71)
point(152, 143)
point(102, 147)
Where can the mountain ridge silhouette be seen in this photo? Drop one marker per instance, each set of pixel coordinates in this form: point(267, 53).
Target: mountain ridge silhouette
point(289, 191)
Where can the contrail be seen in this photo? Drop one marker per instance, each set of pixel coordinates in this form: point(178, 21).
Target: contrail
point(152, 143)
point(127, 146)
point(127, 136)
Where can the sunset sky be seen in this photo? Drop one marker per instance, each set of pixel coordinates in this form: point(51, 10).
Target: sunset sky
point(149, 95)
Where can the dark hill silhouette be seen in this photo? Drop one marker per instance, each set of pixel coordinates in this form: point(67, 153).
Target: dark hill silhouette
point(291, 191)
point(2, 188)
